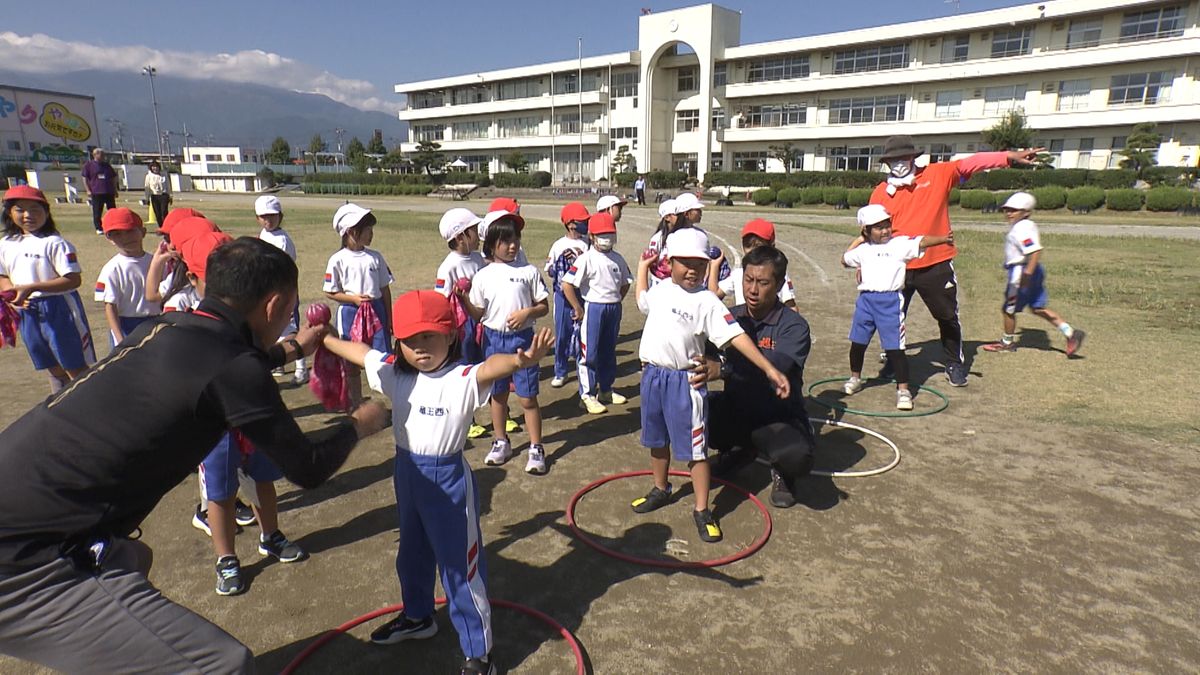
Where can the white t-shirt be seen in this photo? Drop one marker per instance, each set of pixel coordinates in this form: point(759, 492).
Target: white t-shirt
point(501, 289)
point(185, 300)
point(883, 265)
point(1022, 240)
point(599, 276)
point(457, 266)
point(732, 285)
point(122, 283)
point(280, 240)
point(431, 412)
point(562, 255)
point(28, 259)
point(357, 273)
point(678, 323)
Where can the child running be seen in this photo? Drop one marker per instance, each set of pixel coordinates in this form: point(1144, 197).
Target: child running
point(595, 286)
point(881, 261)
point(681, 314)
point(757, 232)
point(507, 297)
point(433, 399)
point(41, 270)
point(121, 285)
point(1027, 277)
point(563, 254)
point(269, 213)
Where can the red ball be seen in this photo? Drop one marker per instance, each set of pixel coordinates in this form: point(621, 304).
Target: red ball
point(318, 314)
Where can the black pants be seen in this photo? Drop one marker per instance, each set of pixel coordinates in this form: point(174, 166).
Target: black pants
point(159, 204)
point(938, 287)
point(641, 197)
point(787, 444)
point(98, 204)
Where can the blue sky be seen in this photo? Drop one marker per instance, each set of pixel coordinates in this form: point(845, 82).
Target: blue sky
point(355, 51)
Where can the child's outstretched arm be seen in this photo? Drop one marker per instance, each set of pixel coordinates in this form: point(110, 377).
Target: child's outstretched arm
point(928, 241)
point(502, 365)
point(745, 345)
point(354, 352)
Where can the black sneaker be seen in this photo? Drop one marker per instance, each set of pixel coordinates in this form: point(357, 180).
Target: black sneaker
point(229, 576)
point(781, 491)
point(403, 628)
point(707, 526)
point(956, 373)
point(200, 522)
point(654, 499)
point(278, 545)
point(478, 667)
point(244, 515)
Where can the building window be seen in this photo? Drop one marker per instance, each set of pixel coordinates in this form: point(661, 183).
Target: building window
point(866, 59)
point(474, 94)
point(1163, 22)
point(513, 127)
point(790, 67)
point(619, 136)
point(476, 163)
point(14, 145)
point(566, 83)
point(518, 89)
point(568, 123)
point(428, 132)
point(685, 163)
point(776, 115)
point(1084, 33)
point(1055, 150)
point(1073, 94)
point(941, 152)
point(195, 158)
point(230, 158)
point(625, 85)
point(720, 74)
point(687, 120)
point(949, 104)
point(718, 119)
point(1000, 100)
point(567, 164)
point(866, 109)
point(1013, 42)
point(750, 161)
point(426, 99)
point(1140, 88)
point(1115, 157)
point(464, 131)
point(212, 158)
point(1084, 160)
point(686, 79)
point(854, 159)
point(954, 48)
point(716, 162)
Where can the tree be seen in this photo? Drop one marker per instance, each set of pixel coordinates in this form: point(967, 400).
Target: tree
point(623, 161)
point(280, 152)
point(1140, 147)
point(517, 161)
point(427, 157)
point(317, 144)
point(1009, 133)
point(786, 153)
point(356, 155)
point(376, 146)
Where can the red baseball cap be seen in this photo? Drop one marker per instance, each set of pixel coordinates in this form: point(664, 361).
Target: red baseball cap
point(421, 311)
point(175, 216)
point(120, 219)
point(763, 229)
point(572, 212)
point(602, 223)
point(189, 228)
point(505, 204)
point(25, 192)
point(196, 250)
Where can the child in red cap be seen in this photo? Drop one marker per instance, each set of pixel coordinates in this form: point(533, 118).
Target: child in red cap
point(757, 232)
point(562, 256)
point(434, 398)
point(121, 285)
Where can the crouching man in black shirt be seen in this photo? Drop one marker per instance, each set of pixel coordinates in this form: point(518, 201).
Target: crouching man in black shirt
point(747, 416)
point(80, 472)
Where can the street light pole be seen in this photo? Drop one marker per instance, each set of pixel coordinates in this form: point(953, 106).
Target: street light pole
point(151, 71)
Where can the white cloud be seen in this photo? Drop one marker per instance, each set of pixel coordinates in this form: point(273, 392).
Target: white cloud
point(39, 53)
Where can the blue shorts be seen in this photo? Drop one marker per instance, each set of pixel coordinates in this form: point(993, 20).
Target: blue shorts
point(881, 311)
point(128, 324)
point(219, 470)
point(674, 413)
point(525, 379)
point(472, 351)
point(55, 331)
point(343, 319)
point(1033, 295)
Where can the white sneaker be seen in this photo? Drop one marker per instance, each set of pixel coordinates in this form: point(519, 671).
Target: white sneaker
point(500, 453)
point(278, 372)
point(853, 386)
point(903, 400)
point(592, 405)
point(536, 464)
point(612, 397)
point(558, 382)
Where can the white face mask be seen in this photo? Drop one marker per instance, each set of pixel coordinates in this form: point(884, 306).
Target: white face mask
point(605, 242)
point(900, 168)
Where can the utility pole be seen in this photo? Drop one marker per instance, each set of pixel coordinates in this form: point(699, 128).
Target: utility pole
point(151, 71)
point(579, 78)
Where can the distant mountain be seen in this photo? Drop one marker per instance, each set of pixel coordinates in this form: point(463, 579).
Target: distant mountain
point(249, 115)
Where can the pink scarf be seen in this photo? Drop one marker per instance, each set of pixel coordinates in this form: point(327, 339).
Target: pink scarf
point(366, 323)
point(10, 319)
point(328, 380)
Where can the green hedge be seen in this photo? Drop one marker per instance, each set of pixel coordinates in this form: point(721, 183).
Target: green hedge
point(662, 180)
point(857, 197)
point(976, 199)
point(834, 195)
point(1050, 197)
point(1175, 176)
point(1086, 197)
point(535, 179)
point(1124, 199)
point(1167, 198)
point(764, 197)
point(955, 194)
point(812, 195)
point(457, 177)
point(788, 196)
point(365, 189)
point(1112, 179)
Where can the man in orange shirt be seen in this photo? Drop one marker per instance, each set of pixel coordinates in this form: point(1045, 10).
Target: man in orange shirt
point(918, 198)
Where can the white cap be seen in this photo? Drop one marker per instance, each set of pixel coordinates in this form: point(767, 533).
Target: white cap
point(688, 242)
point(456, 221)
point(1020, 201)
point(872, 214)
point(493, 216)
point(666, 208)
point(266, 205)
point(347, 216)
point(608, 201)
point(686, 202)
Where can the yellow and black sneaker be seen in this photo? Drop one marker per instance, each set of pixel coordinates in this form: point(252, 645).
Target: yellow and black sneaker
point(476, 430)
point(707, 526)
point(654, 499)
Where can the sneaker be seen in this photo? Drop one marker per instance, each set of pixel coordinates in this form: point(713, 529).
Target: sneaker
point(478, 667)
point(654, 499)
point(781, 491)
point(592, 405)
point(1002, 346)
point(883, 357)
point(853, 386)
point(558, 382)
point(707, 526)
point(476, 430)
point(536, 464)
point(403, 628)
point(1075, 342)
point(500, 453)
point(278, 372)
point(301, 377)
point(511, 425)
point(200, 521)
point(278, 546)
point(229, 576)
point(613, 398)
point(903, 399)
point(956, 373)
point(243, 514)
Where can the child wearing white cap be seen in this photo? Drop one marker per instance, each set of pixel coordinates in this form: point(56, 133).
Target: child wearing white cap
point(681, 315)
point(269, 213)
point(667, 219)
point(1026, 277)
point(612, 205)
point(460, 228)
point(882, 260)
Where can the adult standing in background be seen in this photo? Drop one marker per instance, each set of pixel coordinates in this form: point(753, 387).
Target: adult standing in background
point(639, 188)
point(158, 192)
point(101, 180)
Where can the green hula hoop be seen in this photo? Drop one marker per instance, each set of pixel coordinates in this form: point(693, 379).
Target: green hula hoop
point(866, 413)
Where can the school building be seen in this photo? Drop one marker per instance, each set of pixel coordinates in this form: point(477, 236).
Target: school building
point(692, 97)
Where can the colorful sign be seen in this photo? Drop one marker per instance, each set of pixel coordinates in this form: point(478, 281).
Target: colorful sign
point(59, 121)
point(46, 126)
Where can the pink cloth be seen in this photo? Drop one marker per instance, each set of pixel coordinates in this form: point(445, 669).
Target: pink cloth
point(328, 379)
point(366, 323)
point(10, 319)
